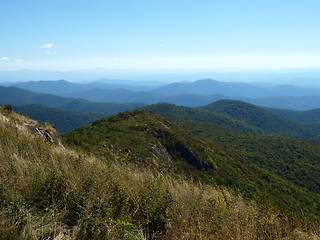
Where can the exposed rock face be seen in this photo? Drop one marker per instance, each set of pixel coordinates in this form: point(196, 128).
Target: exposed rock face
point(44, 134)
point(161, 150)
point(191, 157)
point(172, 146)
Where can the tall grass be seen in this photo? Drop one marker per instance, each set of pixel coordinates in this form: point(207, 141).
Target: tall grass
point(47, 192)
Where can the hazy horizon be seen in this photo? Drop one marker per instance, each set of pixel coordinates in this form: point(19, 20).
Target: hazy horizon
point(298, 77)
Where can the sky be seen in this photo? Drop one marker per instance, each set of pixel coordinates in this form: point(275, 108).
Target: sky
point(153, 34)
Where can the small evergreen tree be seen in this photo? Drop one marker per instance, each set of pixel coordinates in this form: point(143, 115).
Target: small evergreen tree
point(8, 107)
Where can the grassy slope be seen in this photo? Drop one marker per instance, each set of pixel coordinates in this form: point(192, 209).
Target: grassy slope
point(149, 139)
point(47, 192)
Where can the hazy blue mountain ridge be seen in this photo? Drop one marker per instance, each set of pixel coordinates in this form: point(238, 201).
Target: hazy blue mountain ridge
point(192, 94)
point(17, 97)
point(209, 87)
point(233, 89)
point(70, 89)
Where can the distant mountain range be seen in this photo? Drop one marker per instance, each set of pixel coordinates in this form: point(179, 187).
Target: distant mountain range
point(200, 87)
point(233, 89)
point(17, 96)
point(190, 94)
point(70, 89)
point(300, 77)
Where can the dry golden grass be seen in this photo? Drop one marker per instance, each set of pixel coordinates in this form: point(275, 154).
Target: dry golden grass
point(48, 192)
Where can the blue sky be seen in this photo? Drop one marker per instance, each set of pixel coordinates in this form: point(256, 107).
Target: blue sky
point(153, 34)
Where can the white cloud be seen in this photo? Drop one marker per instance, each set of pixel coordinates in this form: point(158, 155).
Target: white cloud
point(18, 60)
point(48, 45)
point(162, 45)
point(5, 59)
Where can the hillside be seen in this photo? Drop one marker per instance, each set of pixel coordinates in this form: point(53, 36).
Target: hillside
point(63, 120)
point(261, 118)
point(308, 117)
point(181, 113)
point(293, 159)
point(52, 192)
point(289, 158)
point(151, 140)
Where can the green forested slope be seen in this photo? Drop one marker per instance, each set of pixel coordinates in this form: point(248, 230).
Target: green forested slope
point(262, 119)
point(187, 113)
point(62, 120)
point(308, 117)
point(296, 160)
point(293, 159)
